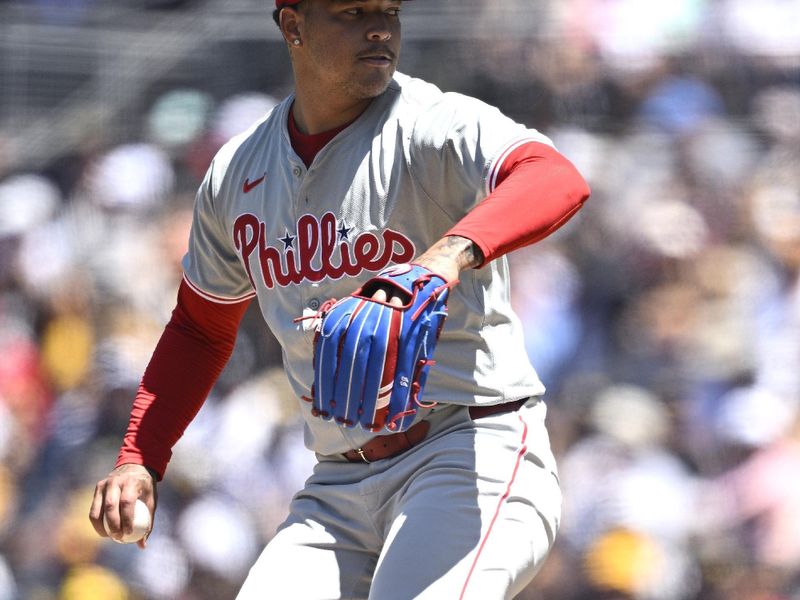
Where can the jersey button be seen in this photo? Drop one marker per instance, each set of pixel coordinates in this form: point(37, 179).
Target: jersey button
point(296, 171)
point(313, 304)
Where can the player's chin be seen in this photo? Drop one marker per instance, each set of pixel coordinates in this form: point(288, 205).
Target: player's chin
point(373, 83)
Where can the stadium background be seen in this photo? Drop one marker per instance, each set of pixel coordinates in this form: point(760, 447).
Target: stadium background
point(664, 319)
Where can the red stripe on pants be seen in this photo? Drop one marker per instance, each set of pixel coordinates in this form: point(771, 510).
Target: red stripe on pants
point(520, 455)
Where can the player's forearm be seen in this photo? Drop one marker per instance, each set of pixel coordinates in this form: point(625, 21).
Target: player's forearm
point(451, 255)
point(174, 387)
point(538, 191)
point(192, 352)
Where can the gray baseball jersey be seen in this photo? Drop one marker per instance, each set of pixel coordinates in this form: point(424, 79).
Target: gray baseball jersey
point(381, 192)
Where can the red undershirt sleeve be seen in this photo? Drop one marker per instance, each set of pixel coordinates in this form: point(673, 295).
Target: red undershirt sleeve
point(194, 348)
point(537, 191)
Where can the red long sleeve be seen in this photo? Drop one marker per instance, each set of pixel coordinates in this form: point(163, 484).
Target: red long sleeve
point(537, 191)
point(194, 348)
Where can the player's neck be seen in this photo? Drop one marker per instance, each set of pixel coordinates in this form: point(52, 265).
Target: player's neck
point(316, 113)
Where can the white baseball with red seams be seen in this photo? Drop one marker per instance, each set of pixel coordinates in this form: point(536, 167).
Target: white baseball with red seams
point(141, 524)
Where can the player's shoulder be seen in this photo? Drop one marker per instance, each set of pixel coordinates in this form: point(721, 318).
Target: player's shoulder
point(413, 91)
point(437, 115)
point(244, 143)
point(252, 136)
point(425, 96)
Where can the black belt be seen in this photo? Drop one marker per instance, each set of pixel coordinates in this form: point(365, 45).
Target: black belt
point(386, 446)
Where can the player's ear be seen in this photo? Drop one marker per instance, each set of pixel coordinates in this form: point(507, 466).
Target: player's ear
point(290, 21)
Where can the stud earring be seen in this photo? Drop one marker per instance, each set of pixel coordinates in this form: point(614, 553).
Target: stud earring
point(296, 42)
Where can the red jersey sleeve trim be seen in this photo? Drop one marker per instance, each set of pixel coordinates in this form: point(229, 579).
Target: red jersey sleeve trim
point(495, 177)
point(536, 190)
point(217, 299)
point(194, 348)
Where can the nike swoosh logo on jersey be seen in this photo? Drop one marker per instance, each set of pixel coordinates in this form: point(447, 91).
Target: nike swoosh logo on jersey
point(249, 185)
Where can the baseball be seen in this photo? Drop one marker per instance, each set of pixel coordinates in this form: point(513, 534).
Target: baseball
point(141, 524)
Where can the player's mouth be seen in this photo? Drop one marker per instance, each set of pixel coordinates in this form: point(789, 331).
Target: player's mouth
point(381, 58)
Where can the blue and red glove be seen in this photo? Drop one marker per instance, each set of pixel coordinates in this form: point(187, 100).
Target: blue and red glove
point(371, 358)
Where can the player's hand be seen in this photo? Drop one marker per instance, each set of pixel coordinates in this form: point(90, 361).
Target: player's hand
point(386, 294)
point(447, 257)
point(115, 497)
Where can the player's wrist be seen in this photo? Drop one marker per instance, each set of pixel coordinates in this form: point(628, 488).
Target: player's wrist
point(472, 255)
point(451, 255)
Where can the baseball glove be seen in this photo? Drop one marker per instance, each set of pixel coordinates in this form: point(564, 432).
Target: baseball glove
point(371, 358)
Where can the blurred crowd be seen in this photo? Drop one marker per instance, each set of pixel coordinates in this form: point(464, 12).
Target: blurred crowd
point(664, 319)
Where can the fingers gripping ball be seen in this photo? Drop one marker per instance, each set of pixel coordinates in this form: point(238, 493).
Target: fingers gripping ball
point(371, 359)
point(141, 524)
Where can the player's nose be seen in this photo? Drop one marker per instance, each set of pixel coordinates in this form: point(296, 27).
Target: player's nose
point(379, 35)
point(379, 29)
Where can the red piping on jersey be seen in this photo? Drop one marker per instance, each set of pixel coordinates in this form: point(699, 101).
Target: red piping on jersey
point(217, 299)
point(496, 175)
point(520, 455)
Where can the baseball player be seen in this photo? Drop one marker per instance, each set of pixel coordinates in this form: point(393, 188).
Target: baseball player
point(361, 177)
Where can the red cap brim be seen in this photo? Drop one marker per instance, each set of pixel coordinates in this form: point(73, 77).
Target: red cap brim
point(282, 3)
